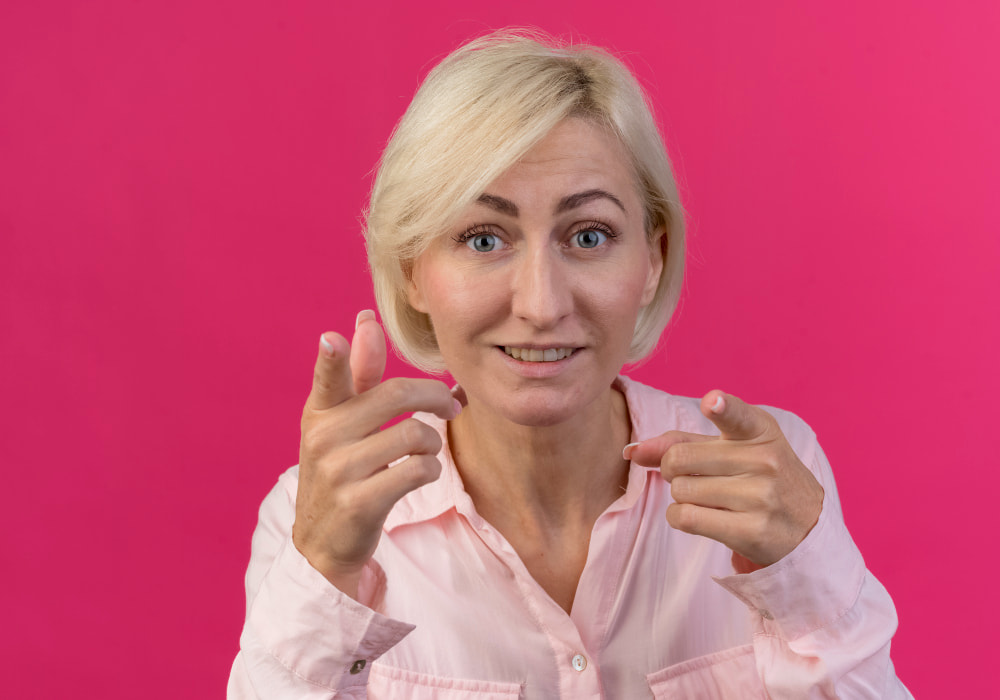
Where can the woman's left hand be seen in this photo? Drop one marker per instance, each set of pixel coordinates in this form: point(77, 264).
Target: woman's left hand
point(745, 488)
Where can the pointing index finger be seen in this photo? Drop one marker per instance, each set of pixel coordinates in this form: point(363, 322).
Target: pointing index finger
point(367, 352)
point(735, 419)
point(649, 453)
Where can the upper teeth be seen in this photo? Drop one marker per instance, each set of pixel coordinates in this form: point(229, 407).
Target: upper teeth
point(532, 355)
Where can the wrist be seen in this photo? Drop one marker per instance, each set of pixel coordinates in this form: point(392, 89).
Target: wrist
point(346, 578)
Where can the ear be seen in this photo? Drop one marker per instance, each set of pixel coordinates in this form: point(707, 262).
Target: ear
point(657, 253)
point(414, 295)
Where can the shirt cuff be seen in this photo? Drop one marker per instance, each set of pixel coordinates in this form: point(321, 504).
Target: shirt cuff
point(315, 630)
point(809, 588)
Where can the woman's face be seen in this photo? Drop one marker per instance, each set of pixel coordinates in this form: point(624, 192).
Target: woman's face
point(534, 294)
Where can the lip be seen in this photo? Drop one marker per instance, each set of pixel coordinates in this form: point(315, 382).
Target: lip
point(539, 354)
point(539, 346)
point(539, 370)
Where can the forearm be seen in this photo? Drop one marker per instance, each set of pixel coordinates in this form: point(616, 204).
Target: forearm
point(823, 622)
point(302, 636)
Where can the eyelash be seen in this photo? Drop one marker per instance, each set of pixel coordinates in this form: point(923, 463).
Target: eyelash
point(470, 233)
point(479, 229)
point(595, 225)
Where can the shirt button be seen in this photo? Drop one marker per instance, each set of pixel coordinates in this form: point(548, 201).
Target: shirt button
point(357, 667)
point(766, 614)
point(579, 662)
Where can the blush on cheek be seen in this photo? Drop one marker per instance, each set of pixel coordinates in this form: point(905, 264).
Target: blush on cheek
point(460, 311)
point(618, 295)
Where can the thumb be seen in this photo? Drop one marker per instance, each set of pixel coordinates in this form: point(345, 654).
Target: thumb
point(735, 419)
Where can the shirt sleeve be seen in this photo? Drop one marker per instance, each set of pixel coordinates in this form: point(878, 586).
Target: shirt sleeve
point(303, 637)
point(823, 622)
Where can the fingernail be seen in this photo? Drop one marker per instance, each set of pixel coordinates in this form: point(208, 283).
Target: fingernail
point(627, 450)
point(719, 404)
point(458, 406)
point(325, 344)
point(364, 315)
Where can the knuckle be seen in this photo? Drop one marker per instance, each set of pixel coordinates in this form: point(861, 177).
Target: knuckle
point(321, 381)
point(675, 458)
point(351, 461)
point(769, 493)
point(349, 504)
point(419, 437)
point(434, 393)
point(759, 494)
point(327, 465)
point(423, 468)
point(771, 464)
point(769, 420)
point(756, 500)
point(682, 517)
point(753, 526)
point(688, 518)
point(439, 387)
point(667, 460)
point(409, 432)
point(394, 391)
point(414, 432)
point(671, 439)
point(310, 445)
point(681, 489)
point(759, 530)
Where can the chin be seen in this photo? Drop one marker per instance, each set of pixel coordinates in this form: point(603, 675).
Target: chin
point(542, 409)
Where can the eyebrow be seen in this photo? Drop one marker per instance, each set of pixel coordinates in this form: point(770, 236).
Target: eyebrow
point(504, 206)
point(572, 201)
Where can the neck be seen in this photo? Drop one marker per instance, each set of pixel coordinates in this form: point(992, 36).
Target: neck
point(543, 478)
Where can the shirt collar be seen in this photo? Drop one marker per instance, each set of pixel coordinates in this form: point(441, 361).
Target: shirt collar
point(439, 496)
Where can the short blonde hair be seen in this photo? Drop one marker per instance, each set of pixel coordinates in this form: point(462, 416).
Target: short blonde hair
point(475, 115)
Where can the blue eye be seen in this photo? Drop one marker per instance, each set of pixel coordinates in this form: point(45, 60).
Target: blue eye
point(589, 238)
point(484, 242)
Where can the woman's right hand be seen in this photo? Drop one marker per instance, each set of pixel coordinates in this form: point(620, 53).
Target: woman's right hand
point(346, 489)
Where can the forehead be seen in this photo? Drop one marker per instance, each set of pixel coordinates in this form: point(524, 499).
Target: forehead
point(575, 155)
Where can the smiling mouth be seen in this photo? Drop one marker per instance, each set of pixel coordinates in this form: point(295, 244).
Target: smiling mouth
point(535, 355)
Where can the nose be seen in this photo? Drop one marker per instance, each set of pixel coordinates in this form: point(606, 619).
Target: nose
point(542, 293)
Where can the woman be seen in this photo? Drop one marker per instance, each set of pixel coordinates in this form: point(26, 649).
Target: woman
point(548, 528)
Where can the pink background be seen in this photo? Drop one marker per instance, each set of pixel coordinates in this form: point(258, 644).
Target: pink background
point(180, 185)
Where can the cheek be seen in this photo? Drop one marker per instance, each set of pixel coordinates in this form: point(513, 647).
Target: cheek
point(615, 303)
point(459, 305)
point(437, 289)
point(617, 293)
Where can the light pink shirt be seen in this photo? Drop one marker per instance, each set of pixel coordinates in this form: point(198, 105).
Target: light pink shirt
point(450, 612)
